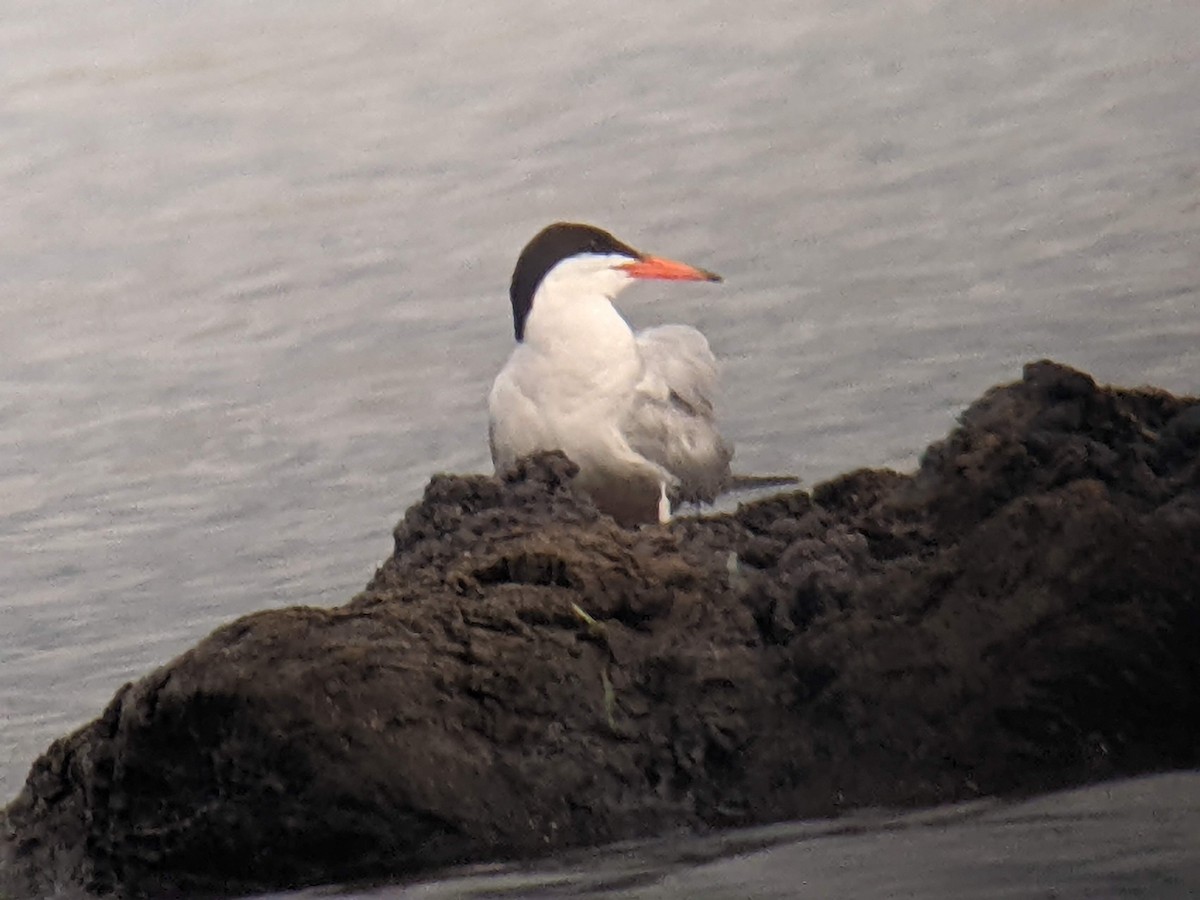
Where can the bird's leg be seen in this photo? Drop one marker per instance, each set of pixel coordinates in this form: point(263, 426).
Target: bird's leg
point(664, 504)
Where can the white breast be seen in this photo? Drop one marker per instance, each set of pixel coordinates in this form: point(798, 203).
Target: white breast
point(568, 384)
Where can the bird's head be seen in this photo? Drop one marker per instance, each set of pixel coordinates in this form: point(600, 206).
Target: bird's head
point(587, 260)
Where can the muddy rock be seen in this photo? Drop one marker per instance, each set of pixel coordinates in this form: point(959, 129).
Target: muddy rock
point(1020, 613)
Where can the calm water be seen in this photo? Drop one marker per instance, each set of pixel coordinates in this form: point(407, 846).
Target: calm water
point(254, 259)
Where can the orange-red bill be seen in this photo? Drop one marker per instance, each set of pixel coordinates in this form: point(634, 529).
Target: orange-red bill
point(667, 270)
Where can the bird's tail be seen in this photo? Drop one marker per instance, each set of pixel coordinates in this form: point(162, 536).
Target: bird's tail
point(755, 482)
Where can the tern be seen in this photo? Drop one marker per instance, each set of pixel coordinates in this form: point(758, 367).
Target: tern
point(634, 411)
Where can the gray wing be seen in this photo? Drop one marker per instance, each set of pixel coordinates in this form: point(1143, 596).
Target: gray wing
point(672, 421)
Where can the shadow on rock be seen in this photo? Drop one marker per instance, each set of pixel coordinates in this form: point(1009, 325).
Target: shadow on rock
point(1019, 614)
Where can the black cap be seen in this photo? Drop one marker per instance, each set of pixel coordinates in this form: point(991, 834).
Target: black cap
point(550, 246)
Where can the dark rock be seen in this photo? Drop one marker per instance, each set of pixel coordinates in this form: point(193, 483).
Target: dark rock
point(1021, 613)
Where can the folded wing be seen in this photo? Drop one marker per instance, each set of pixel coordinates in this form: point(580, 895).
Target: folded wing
point(672, 421)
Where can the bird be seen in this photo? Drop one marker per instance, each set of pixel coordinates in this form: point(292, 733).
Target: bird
point(633, 411)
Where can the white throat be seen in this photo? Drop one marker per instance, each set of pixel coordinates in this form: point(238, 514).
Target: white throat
point(572, 311)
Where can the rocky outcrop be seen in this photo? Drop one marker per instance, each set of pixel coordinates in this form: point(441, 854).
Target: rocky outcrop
point(1022, 612)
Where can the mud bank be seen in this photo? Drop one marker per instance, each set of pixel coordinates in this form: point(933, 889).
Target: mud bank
point(1021, 613)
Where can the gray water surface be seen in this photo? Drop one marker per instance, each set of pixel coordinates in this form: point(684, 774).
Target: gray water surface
point(254, 260)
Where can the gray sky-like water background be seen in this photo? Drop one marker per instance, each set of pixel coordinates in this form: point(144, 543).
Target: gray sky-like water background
point(254, 262)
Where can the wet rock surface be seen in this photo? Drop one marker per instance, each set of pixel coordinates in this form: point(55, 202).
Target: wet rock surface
point(1021, 613)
